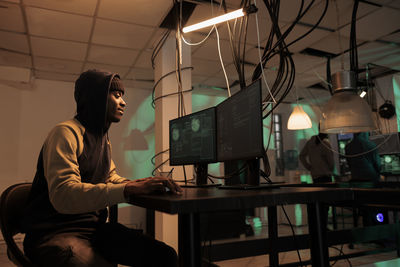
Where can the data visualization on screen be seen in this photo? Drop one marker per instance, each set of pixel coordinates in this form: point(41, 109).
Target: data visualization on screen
point(192, 138)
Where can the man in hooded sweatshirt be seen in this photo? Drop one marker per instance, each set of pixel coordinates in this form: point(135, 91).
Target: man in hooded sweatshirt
point(75, 182)
point(317, 157)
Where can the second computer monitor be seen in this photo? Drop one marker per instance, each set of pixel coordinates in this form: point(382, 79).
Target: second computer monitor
point(239, 124)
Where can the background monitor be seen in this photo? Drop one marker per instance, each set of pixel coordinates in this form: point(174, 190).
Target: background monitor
point(391, 143)
point(192, 138)
point(345, 136)
point(239, 124)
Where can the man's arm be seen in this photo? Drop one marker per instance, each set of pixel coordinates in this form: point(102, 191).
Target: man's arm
point(114, 177)
point(67, 193)
point(328, 154)
point(303, 157)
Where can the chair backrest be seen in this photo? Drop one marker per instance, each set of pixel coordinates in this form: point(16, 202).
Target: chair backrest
point(12, 203)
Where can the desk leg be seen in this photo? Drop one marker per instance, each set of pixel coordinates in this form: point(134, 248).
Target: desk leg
point(317, 231)
point(273, 235)
point(189, 243)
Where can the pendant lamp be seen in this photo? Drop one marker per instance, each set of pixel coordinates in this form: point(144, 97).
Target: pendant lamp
point(299, 120)
point(346, 111)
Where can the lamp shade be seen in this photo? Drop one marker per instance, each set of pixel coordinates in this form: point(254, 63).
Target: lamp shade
point(346, 111)
point(299, 120)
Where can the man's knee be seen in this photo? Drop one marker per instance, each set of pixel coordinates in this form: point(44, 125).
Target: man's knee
point(66, 250)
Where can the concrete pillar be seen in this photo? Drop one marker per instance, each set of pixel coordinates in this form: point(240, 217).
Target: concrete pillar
point(166, 108)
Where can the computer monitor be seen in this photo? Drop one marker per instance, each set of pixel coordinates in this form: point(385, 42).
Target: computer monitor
point(240, 129)
point(345, 136)
point(239, 124)
point(192, 141)
point(387, 143)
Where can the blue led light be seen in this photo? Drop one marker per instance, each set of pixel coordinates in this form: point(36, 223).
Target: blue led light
point(379, 217)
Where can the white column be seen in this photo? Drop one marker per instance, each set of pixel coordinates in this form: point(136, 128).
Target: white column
point(166, 108)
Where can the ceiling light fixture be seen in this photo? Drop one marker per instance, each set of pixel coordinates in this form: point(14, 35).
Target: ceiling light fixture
point(363, 93)
point(228, 16)
point(299, 119)
point(346, 111)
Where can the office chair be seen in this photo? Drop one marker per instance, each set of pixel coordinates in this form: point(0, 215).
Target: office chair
point(12, 203)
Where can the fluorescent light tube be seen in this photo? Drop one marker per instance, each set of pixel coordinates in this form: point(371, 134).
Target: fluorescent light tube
point(231, 15)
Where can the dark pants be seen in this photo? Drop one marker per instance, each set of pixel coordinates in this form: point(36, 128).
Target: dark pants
point(109, 244)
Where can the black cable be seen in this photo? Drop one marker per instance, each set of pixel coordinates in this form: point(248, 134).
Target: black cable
point(341, 252)
point(159, 97)
point(153, 158)
point(286, 72)
point(314, 26)
point(153, 172)
point(328, 75)
point(157, 48)
point(161, 78)
point(230, 175)
point(293, 233)
point(353, 41)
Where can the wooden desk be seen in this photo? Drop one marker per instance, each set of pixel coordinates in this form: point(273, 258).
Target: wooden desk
point(194, 201)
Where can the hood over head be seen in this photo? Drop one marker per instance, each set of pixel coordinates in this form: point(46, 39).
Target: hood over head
point(91, 94)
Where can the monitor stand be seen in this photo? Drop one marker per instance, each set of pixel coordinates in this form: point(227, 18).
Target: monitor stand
point(252, 178)
point(201, 176)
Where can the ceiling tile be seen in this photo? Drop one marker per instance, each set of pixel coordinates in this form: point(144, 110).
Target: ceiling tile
point(58, 49)
point(289, 9)
point(14, 41)
point(47, 75)
point(392, 62)
point(373, 51)
point(253, 56)
point(11, 17)
point(306, 62)
point(332, 45)
point(209, 50)
point(202, 12)
point(309, 39)
point(86, 7)
point(205, 67)
point(232, 73)
point(394, 38)
point(332, 19)
point(15, 59)
point(156, 38)
point(394, 4)
point(264, 27)
point(122, 71)
point(141, 12)
point(303, 80)
point(217, 81)
point(58, 65)
point(367, 27)
point(144, 60)
point(121, 34)
point(381, 2)
point(138, 84)
point(141, 74)
point(336, 65)
point(63, 25)
point(111, 55)
point(198, 80)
